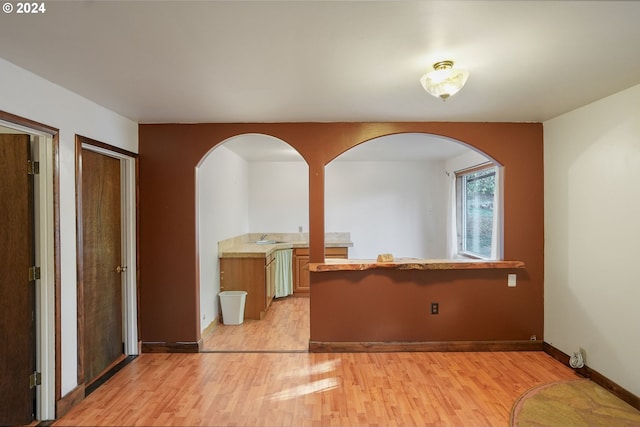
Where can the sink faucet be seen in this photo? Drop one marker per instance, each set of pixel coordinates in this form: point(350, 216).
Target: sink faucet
point(263, 237)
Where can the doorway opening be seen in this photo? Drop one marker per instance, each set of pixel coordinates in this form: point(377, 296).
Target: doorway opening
point(251, 184)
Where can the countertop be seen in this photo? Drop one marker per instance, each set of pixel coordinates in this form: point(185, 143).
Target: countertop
point(411, 264)
point(245, 246)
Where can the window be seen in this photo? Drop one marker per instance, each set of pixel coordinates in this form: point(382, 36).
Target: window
point(476, 191)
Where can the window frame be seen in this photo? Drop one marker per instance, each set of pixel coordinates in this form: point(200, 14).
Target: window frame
point(460, 214)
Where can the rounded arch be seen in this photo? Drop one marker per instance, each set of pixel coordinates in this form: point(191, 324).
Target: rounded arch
point(235, 185)
point(397, 193)
point(254, 145)
point(412, 144)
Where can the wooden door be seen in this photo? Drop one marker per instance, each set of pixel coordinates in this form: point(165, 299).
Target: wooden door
point(17, 293)
point(102, 337)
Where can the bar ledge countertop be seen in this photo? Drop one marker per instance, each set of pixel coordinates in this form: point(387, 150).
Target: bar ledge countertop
point(412, 264)
point(245, 246)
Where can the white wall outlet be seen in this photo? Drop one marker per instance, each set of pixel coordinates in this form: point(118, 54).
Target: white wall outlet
point(511, 280)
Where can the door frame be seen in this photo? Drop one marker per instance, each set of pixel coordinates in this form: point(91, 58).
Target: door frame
point(47, 248)
point(129, 180)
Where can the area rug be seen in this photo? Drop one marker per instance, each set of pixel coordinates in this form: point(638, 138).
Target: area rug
point(572, 404)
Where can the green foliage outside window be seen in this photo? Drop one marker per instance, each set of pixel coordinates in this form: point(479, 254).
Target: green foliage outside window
point(479, 190)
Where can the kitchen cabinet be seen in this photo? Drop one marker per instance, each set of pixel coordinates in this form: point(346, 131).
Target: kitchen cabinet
point(301, 267)
point(256, 276)
point(270, 279)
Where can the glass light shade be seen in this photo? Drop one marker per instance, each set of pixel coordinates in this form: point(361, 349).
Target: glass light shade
point(444, 82)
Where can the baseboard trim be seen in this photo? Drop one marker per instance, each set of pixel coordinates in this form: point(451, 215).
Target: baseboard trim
point(211, 327)
point(92, 386)
point(444, 346)
point(69, 400)
point(594, 376)
point(171, 347)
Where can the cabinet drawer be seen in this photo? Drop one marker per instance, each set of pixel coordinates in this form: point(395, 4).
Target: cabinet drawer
point(336, 252)
point(328, 252)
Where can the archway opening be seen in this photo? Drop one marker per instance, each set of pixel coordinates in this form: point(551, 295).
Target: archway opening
point(397, 194)
point(247, 186)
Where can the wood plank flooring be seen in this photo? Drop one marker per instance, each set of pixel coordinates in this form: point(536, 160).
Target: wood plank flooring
point(285, 327)
point(258, 383)
point(312, 389)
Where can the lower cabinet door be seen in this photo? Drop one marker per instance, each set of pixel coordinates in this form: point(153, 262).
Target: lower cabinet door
point(301, 266)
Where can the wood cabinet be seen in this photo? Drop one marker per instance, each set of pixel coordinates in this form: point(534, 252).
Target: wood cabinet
point(256, 276)
point(301, 271)
point(301, 267)
point(270, 279)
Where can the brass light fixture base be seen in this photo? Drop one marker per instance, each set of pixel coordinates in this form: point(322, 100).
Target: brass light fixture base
point(443, 65)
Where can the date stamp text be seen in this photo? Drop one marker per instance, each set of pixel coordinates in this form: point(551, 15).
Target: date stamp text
point(24, 8)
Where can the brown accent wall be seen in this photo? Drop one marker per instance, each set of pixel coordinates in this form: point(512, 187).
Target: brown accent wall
point(346, 306)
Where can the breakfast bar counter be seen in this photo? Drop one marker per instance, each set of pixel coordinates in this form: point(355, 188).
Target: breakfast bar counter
point(411, 264)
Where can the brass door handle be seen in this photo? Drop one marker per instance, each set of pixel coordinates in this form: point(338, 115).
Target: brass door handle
point(121, 269)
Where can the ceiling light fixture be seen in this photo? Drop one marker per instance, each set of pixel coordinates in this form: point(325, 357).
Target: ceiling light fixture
point(444, 81)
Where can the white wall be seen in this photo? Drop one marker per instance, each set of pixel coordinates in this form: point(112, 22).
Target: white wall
point(395, 207)
point(592, 233)
point(278, 197)
point(407, 198)
point(222, 197)
point(27, 95)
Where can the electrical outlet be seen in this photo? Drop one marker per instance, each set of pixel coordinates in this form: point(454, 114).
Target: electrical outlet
point(299, 229)
point(435, 308)
point(511, 280)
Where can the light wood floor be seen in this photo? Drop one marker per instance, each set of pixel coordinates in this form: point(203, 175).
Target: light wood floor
point(285, 327)
point(246, 387)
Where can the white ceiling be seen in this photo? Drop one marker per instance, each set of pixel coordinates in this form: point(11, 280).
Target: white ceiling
point(292, 61)
point(265, 61)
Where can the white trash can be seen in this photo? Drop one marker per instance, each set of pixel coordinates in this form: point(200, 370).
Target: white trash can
point(232, 303)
